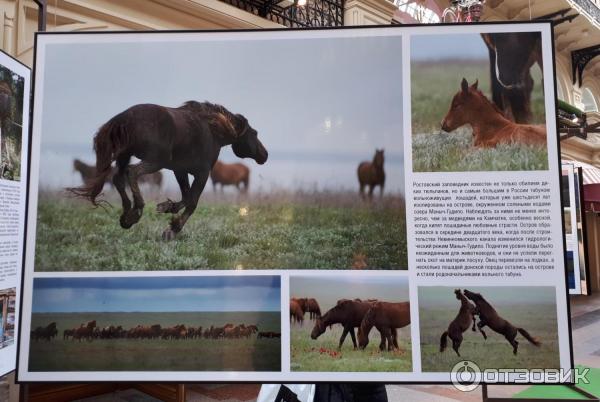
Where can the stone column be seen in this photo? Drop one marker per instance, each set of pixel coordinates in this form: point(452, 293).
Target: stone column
point(368, 12)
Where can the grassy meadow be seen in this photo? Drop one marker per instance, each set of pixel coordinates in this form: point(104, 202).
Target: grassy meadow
point(322, 354)
point(314, 231)
point(157, 355)
point(538, 318)
point(432, 90)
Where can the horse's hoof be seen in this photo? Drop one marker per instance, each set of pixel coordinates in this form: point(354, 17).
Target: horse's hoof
point(168, 235)
point(164, 207)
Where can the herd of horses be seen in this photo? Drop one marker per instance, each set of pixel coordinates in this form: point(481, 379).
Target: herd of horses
point(475, 305)
point(387, 317)
point(89, 331)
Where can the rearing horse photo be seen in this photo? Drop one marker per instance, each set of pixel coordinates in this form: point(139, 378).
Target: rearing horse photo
point(488, 316)
point(463, 320)
point(186, 140)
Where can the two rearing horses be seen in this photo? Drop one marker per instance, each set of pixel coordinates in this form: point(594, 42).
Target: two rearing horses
point(488, 316)
point(186, 140)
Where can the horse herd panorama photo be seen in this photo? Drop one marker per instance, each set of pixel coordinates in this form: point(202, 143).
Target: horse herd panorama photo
point(196, 162)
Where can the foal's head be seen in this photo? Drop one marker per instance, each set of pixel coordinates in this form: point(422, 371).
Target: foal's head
point(468, 103)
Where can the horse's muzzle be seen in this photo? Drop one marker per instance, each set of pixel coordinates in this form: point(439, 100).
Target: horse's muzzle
point(262, 156)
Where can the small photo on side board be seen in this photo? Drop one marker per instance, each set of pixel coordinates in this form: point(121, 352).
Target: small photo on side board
point(478, 102)
point(177, 323)
point(350, 323)
point(494, 327)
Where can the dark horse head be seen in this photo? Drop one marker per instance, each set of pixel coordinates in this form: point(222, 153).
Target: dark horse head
point(318, 329)
point(457, 293)
point(473, 296)
point(246, 143)
point(378, 159)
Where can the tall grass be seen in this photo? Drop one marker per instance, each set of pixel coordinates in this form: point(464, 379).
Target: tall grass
point(322, 354)
point(322, 231)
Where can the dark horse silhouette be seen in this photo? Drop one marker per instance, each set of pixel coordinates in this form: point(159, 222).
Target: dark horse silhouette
point(186, 140)
point(372, 174)
point(464, 319)
point(511, 57)
point(488, 316)
point(88, 172)
point(387, 318)
point(349, 313)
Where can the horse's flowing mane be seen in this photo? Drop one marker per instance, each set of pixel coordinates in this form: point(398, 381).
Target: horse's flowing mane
point(216, 115)
point(489, 102)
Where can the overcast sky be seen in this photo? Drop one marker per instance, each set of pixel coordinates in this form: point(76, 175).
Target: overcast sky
point(328, 290)
point(321, 100)
point(440, 47)
point(157, 294)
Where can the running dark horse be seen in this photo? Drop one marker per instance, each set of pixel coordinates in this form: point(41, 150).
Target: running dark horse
point(186, 140)
point(488, 316)
point(371, 174)
point(511, 57)
point(462, 322)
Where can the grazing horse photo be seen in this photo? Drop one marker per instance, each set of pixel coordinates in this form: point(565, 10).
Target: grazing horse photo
point(490, 127)
point(230, 174)
point(88, 172)
point(511, 57)
point(490, 317)
point(464, 319)
point(372, 174)
point(349, 313)
point(387, 318)
point(186, 140)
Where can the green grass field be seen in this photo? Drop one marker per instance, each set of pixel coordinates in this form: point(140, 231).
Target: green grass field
point(322, 354)
point(432, 89)
point(318, 232)
point(495, 352)
point(157, 355)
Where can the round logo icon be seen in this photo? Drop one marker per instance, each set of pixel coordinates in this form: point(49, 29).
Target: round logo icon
point(465, 376)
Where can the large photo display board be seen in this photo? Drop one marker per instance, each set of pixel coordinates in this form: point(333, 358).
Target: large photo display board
point(15, 87)
point(365, 204)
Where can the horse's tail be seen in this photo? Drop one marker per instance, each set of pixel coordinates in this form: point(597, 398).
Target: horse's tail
point(444, 341)
point(110, 139)
point(530, 338)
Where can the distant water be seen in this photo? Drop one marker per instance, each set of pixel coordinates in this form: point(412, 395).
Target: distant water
point(287, 170)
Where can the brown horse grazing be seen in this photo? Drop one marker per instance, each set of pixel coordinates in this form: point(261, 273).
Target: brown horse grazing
point(387, 318)
point(490, 127)
point(313, 308)
point(88, 172)
point(230, 174)
point(296, 312)
point(372, 174)
point(349, 313)
point(186, 140)
point(464, 319)
point(488, 316)
point(511, 57)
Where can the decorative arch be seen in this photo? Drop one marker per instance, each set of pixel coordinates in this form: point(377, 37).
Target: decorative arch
point(563, 81)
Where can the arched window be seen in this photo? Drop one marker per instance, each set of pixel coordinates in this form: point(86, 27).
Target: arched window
point(417, 11)
point(589, 103)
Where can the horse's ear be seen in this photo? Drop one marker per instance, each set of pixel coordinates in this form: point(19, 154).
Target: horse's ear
point(464, 85)
point(474, 86)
